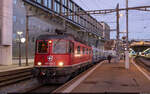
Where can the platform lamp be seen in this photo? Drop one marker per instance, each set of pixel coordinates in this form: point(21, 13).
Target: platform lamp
point(21, 40)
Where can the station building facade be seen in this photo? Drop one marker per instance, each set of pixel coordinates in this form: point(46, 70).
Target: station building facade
point(106, 30)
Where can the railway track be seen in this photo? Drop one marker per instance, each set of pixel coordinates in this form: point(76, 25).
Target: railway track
point(44, 89)
point(14, 76)
point(142, 62)
point(49, 88)
point(22, 81)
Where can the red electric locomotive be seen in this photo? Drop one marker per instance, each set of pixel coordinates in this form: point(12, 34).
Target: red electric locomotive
point(57, 57)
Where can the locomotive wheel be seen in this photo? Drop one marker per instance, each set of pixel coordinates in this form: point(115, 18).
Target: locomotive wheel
point(84, 68)
point(87, 67)
point(79, 70)
point(74, 74)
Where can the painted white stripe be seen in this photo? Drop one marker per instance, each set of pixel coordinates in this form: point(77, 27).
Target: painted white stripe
point(75, 84)
point(146, 75)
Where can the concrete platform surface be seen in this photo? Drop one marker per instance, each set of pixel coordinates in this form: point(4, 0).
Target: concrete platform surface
point(111, 77)
point(16, 66)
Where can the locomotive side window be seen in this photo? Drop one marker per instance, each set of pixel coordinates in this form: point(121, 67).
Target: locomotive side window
point(78, 50)
point(71, 47)
point(83, 50)
point(60, 47)
point(87, 51)
point(43, 47)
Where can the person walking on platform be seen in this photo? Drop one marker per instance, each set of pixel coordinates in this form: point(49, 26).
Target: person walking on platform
point(109, 58)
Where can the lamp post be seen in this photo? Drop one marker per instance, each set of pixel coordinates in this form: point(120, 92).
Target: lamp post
point(19, 35)
point(27, 34)
point(21, 40)
point(27, 37)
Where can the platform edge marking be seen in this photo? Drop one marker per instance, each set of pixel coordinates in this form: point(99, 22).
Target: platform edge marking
point(146, 75)
point(75, 84)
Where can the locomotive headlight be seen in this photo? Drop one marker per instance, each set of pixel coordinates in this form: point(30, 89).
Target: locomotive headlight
point(50, 41)
point(61, 64)
point(39, 63)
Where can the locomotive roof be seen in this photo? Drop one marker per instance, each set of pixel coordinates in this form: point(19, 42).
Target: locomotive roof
point(49, 37)
point(65, 36)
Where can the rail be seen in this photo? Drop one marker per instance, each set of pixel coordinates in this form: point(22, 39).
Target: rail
point(11, 77)
point(143, 61)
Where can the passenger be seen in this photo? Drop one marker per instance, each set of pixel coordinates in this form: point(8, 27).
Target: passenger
point(109, 58)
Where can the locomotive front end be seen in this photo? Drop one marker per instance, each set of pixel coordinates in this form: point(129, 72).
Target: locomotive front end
point(52, 60)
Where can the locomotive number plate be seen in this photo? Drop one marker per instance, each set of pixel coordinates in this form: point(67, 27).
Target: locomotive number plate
point(50, 63)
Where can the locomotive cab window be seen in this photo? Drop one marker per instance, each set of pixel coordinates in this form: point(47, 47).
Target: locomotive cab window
point(83, 50)
point(42, 47)
point(60, 47)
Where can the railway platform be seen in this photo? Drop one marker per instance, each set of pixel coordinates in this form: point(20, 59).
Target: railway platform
point(15, 66)
point(110, 78)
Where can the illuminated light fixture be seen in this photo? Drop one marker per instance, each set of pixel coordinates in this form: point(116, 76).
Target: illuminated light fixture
point(43, 73)
point(23, 40)
point(141, 43)
point(75, 51)
point(61, 64)
point(39, 63)
point(90, 33)
point(50, 41)
point(77, 55)
point(43, 44)
point(100, 38)
point(121, 15)
point(19, 33)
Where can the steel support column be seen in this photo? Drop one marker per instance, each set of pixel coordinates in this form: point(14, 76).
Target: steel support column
point(27, 36)
point(117, 26)
point(127, 44)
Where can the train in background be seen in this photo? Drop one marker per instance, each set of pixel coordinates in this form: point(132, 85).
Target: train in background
point(146, 53)
point(58, 57)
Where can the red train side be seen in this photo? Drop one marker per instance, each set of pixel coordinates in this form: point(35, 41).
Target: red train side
point(58, 57)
